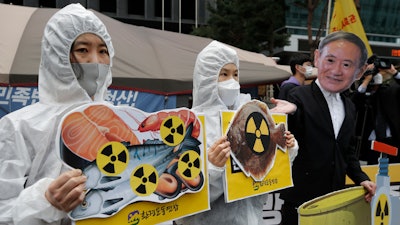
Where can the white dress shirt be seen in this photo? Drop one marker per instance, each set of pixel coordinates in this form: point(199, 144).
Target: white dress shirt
point(336, 108)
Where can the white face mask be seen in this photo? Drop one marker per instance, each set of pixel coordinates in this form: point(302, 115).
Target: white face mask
point(309, 70)
point(91, 76)
point(228, 91)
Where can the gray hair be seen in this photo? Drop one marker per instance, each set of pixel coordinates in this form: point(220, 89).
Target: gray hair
point(350, 37)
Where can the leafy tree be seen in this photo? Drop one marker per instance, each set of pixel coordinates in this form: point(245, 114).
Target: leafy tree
point(310, 6)
point(249, 25)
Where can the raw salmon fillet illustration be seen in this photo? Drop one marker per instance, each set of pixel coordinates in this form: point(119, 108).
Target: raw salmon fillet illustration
point(118, 129)
point(84, 133)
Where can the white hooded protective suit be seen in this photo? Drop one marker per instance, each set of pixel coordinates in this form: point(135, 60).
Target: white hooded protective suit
point(28, 161)
point(207, 101)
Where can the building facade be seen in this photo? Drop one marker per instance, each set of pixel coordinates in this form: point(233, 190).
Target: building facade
point(178, 15)
point(379, 19)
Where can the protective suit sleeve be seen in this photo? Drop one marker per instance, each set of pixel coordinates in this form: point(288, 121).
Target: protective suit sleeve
point(293, 151)
point(215, 180)
point(242, 99)
point(32, 207)
point(20, 205)
point(14, 164)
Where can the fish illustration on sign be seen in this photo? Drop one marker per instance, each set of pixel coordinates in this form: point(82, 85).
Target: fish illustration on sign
point(131, 156)
point(254, 139)
point(107, 193)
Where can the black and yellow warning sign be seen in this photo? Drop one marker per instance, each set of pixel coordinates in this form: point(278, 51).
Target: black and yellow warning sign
point(238, 185)
point(189, 165)
point(172, 131)
point(382, 209)
point(113, 158)
point(144, 180)
point(132, 164)
point(257, 133)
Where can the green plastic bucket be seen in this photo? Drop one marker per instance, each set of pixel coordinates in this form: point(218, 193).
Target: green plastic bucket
point(344, 207)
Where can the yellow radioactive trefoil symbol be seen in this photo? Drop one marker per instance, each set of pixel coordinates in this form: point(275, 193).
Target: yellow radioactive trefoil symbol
point(382, 210)
point(258, 131)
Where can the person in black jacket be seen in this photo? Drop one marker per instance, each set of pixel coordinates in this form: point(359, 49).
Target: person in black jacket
point(323, 121)
point(378, 107)
point(301, 67)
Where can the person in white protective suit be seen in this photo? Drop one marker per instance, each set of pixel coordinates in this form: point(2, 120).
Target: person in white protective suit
point(216, 87)
point(36, 188)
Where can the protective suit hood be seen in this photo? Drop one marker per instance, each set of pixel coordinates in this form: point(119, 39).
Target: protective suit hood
point(57, 81)
point(205, 76)
point(28, 135)
point(207, 101)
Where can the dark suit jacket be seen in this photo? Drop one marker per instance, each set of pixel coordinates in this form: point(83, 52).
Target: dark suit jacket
point(389, 97)
point(322, 161)
point(375, 112)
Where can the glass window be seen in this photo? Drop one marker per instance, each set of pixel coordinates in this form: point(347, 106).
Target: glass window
point(158, 8)
point(136, 7)
point(108, 6)
point(188, 8)
point(47, 3)
point(14, 2)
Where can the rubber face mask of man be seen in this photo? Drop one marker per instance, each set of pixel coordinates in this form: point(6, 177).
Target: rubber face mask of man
point(228, 85)
point(90, 62)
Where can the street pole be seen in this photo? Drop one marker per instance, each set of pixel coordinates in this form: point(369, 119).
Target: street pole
point(195, 14)
point(328, 17)
point(180, 14)
point(162, 15)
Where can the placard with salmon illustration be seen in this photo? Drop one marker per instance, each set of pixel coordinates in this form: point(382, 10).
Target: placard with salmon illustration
point(141, 168)
point(259, 162)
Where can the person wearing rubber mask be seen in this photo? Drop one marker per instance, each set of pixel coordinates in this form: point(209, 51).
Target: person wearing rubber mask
point(75, 69)
point(323, 119)
point(215, 88)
